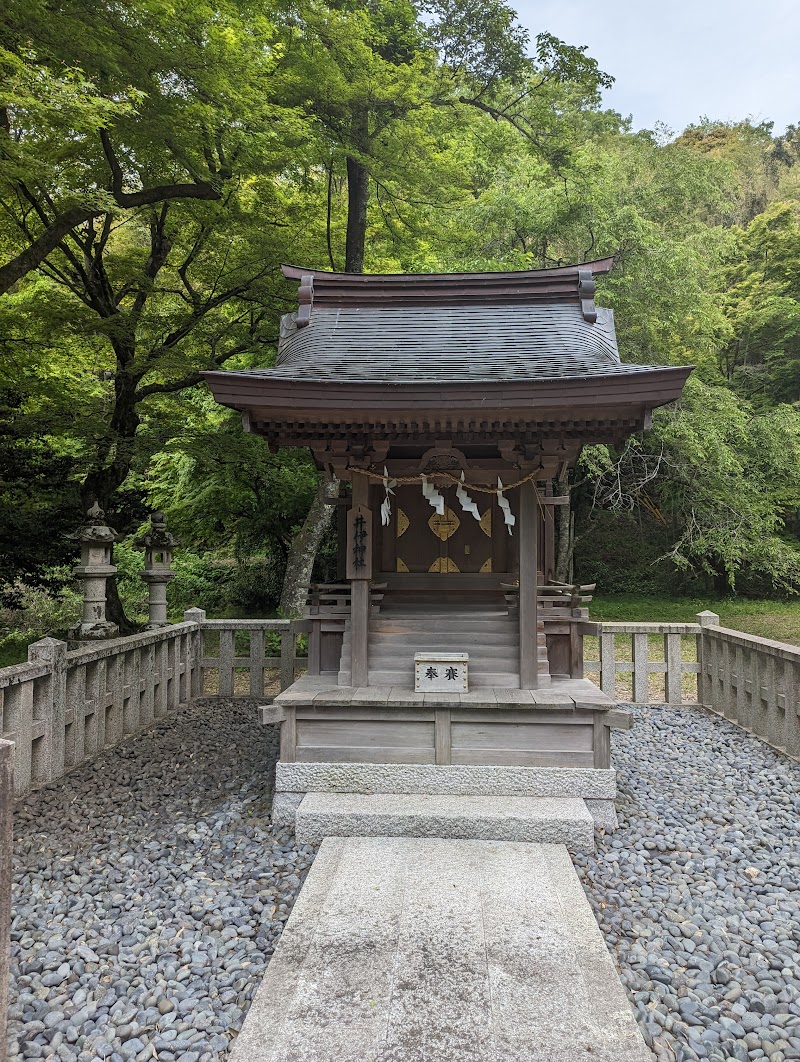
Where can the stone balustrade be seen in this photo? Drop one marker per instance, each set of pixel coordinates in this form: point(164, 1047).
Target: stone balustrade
point(645, 663)
point(63, 708)
point(6, 873)
point(751, 681)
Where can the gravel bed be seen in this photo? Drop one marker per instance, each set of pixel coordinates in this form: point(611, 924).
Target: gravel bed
point(150, 892)
point(698, 892)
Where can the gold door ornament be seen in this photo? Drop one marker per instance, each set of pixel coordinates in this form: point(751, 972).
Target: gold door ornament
point(444, 564)
point(444, 526)
point(402, 523)
point(486, 522)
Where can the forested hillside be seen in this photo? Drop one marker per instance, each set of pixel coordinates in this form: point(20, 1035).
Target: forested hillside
point(159, 162)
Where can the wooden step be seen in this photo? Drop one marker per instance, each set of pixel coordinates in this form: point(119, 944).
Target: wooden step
point(453, 639)
point(506, 680)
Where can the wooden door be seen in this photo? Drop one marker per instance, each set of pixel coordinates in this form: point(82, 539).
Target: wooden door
point(452, 542)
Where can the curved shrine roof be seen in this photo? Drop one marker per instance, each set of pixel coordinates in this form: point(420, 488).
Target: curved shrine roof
point(445, 344)
point(530, 346)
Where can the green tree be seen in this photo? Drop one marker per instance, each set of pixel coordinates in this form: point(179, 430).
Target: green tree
point(374, 75)
point(761, 286)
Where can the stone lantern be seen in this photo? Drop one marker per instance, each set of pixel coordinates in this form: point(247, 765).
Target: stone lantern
point(158, 545)
point(97, 542)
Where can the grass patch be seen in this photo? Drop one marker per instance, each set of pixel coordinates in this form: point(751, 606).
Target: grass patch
point(775, 619)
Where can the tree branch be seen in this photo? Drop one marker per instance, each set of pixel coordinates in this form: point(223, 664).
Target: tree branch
point(62, 225)
point(171, 386)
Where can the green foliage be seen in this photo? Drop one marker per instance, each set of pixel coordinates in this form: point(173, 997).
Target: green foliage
point(31, 612)
point(158, 163)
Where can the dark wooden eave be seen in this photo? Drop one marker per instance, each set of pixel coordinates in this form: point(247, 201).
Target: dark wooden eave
point(523, 357)
point(597, 408)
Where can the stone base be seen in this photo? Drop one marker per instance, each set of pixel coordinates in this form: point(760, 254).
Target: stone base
point(604, 814)
point(597, 787)
point(284, 808)
point(93, 632)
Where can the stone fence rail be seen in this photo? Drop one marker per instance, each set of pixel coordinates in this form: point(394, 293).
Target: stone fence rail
point(6, 814)
point(64, 707)
point(751, 681)
point(645, 663)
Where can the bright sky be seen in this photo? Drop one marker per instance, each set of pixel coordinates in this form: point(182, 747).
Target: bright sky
point(676, 61)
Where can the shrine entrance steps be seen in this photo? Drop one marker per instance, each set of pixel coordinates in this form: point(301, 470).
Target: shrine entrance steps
point(439, 950)
point(563, 820)
point(455, 613)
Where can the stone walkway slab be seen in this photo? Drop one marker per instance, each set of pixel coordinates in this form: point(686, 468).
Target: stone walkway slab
point(433, 950)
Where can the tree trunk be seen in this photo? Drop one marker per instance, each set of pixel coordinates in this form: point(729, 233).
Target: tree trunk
point(114, 462)
point(116, 452)
point(357, 200)
point(566, 543)
point(303, 552)
point(115, 611)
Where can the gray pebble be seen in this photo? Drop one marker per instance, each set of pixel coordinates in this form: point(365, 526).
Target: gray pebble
point(133, 874)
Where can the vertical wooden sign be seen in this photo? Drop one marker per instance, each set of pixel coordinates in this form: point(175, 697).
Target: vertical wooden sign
point(359, 542)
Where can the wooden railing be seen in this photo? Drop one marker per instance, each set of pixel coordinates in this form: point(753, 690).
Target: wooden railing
point(335, 599)
point(64, 707)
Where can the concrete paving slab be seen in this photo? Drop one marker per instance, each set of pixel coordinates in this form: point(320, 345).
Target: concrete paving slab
point(432, 950)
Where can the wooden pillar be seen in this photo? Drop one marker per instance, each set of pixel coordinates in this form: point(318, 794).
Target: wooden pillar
point(549, 550)
point(528, 556)
point(360, 597)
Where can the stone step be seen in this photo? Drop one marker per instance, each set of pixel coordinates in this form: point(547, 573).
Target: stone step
point(548, 820)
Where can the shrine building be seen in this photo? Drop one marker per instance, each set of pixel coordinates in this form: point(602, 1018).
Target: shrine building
point(448, 407)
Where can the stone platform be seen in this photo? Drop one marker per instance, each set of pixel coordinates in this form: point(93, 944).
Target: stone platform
point(552, 742)
point(430, 950)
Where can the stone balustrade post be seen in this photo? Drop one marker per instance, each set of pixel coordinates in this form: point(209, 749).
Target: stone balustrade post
point(6, 875)
point(52, 702)
point(158, 545)
point(198, 616)
point(705, 680)
point(97, 543)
